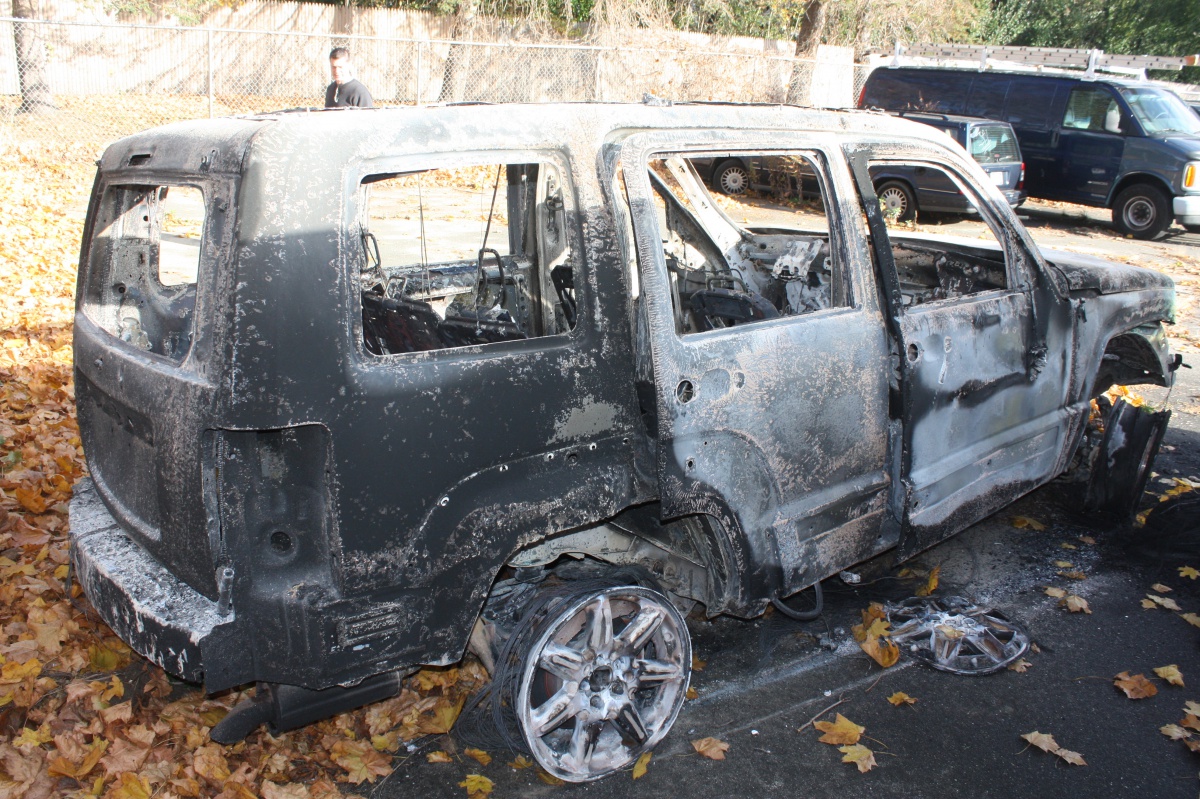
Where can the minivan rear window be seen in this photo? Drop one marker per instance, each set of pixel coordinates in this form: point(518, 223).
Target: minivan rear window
point(993, 144)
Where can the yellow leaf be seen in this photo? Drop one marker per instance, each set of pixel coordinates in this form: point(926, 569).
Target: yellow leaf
point(639, 768)
point(1057, 593)
point(360, 760)
point(881, 650)
point(711, 748)
point(691, 693)
point(1087, 539)
point(839, 731)
point(1174, 732)
point(103, 659)
point(129, 786)
point(1191, 618)
point(1063, 564)
point(548, 778)
point(698, 664)
point(1066, 545)
point(1021, 522)
point(1075, 575)
point(1074, 758)
point(859, 755)
point(442, 719)
point(520, 762)
point(1042, 740)
point(482, 757)
point(477, 785)
point(1136, 686)
point(209, 763)
point(1020, 667)
point(931, 584)
point(1170, 674)
point(438, 757)
point(13, 672)
point(1160, 588)
point(1149, 604)
point(900, 698)
point(1188, 572)
point(33, 737)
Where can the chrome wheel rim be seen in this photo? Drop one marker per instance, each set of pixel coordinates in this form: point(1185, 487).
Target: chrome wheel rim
point(894, 200)
point(734, 180)
point(603, 682)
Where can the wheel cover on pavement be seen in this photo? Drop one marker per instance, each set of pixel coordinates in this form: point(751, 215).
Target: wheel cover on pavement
point(603, 682)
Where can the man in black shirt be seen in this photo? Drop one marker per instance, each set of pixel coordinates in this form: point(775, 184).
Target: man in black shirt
point(345, 89)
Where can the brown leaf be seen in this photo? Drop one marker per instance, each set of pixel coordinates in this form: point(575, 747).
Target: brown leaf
point(129, 786)
point(1174, 732)
point(711, 748)
point(1192, 707)
point(900, 698)
point(1066, 545)
point(839, 731)
point(482, 757)
point(360, 761)
point(1057, 593)
point(290, 791)
point(1073, 575)
point(1087, 539)
point(859, 755)
point(1135, 687)
point(209, 763)
point(123, 756)
point(698, 664)
point(1063, 564)
point(639, 768)
point(691, 693)
point(548, 778)
point(1074, 758)
point(1191, 721)
point(520, 762)
point(1191, 618)
point(1166, 602)
point(477, 785)
point(930, 585)
point(1160, 588)
point(1042, 740)
point(1020, 666)
point(1149, 604)
point(1171, 674)
point(1021, 522)
point(1075, 604)
point(438, 757)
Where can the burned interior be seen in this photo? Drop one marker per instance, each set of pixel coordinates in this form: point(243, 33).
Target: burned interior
point(365, 392)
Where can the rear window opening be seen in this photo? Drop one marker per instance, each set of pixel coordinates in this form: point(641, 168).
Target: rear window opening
point(464, 256)
point(144, 261)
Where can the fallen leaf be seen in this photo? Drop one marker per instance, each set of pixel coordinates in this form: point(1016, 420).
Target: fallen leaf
point(1066, 545)
point(548, 778)
point(1058, 593)
point(1063, 564)
point(1174, 732)
point(1160, 588)
point(438, 757)
point(1191, 721)
point(477, 785)
point(639, 768)
point(1188, 572)
point(859, 755)
point(711, 748)
point(1166, 602)
point(900, 698)
point(1149, 604)
point(1192, 707)
point(1192, 744)
point(360, 760)
point(1021, 666)
point(272, 791)
point(698, 664)
point(1073, 575)
point(520, 762)
point(930, 585)
point(1136, 686)
point(1074, 758)
point(1191, 618)
point(1021, 522)
point(839, 731)
point(129, 786)
point(482, 757)
point(1075, 604)
point(691, 693)
point(881, 649)
point(1170, 674)
point(1087, 539)
point(1042, 740)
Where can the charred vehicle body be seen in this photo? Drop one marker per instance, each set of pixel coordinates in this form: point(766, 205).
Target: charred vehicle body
point(354, 387)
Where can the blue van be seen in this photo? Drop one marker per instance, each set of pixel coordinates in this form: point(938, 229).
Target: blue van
point(1125, 145)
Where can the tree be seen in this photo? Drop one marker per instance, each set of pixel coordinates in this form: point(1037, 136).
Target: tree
point(31, 62)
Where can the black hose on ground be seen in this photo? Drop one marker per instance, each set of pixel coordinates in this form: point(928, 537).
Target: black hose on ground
point(802, 615)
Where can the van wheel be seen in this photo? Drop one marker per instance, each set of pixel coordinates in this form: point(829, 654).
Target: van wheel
point(603, 681)
point(897, 200)
point(732, 177)
point(1141, 211)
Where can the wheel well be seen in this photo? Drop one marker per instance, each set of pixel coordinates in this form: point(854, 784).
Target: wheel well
point(1132, 180)
point(1128, 359)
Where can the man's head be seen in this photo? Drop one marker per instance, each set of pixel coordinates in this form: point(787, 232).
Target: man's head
point(340, 66)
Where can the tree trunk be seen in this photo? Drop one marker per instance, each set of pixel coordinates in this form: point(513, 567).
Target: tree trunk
point(454, 78)
point(31, 62)
point(807, 39)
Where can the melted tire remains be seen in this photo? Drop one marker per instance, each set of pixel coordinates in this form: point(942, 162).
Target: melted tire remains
point(603, 681)
point(955, 635)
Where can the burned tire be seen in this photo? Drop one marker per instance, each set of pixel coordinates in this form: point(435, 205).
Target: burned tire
point(1122, 463)
point(1141, 211)
point(602, 681)
point(897, 200)
point(732, 177)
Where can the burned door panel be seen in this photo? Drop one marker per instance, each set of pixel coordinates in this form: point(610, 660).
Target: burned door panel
point(754, 331)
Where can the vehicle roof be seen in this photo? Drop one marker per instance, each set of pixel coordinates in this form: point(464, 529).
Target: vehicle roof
point(1116, 81)
point(933, 117)
point(222, 145)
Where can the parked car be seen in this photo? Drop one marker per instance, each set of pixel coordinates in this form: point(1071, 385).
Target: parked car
point(904, 190)
point(361, 390)
point(1124, 145)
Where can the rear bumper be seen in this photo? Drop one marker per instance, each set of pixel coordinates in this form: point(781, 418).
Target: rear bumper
point(157, 614)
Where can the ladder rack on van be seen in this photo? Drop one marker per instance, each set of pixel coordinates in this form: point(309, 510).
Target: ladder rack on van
point(1089, 60)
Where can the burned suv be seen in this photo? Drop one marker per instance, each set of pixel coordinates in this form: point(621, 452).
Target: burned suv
point(360, 390)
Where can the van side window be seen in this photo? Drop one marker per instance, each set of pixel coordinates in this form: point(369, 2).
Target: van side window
point(928, 270)
point(757, 256)
point(464, 256)
point(1030, 103)
point(1092, 108)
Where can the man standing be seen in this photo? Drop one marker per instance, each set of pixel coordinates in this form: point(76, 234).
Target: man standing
point(345, 91)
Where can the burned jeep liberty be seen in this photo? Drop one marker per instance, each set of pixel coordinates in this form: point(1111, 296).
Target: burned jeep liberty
point(360, 391)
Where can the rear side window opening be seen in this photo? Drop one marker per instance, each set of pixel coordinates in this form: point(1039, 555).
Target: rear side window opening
point(143, 265)
point(464, 256)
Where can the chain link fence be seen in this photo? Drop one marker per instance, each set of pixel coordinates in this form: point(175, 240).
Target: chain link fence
point(74, 87)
